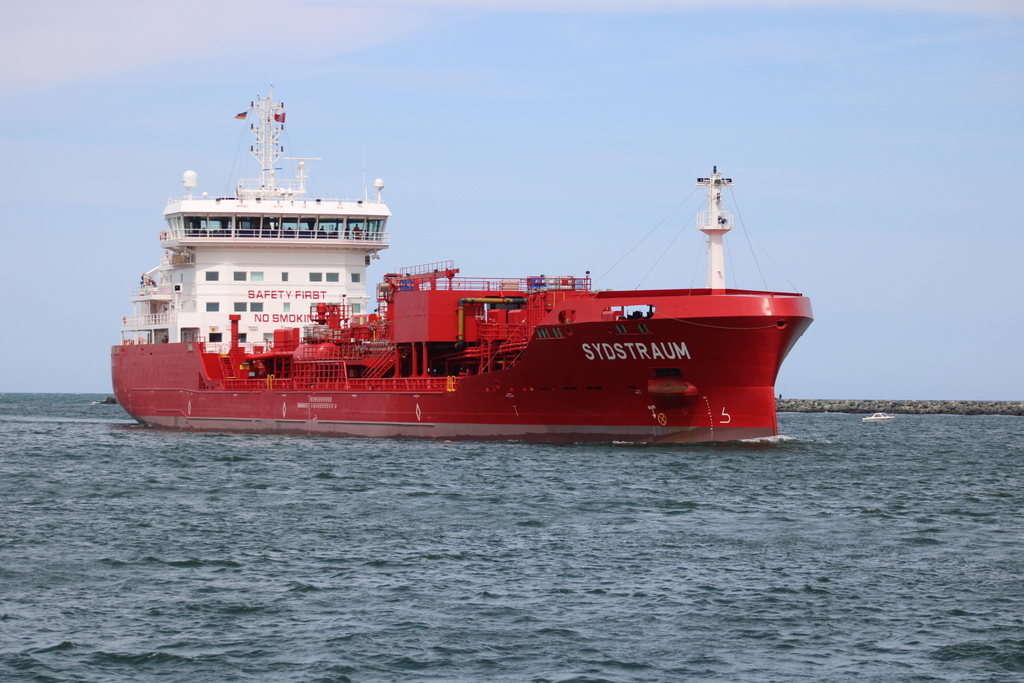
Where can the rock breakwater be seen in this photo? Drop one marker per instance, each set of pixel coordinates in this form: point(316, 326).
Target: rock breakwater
point(804, 405)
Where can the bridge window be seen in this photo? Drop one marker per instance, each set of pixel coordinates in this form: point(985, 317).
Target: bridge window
point(356, 228)
point(329, 225)
point(248, 226)
point(374, 227)
point(221, 224)
point(290, 224)
point(195, 225)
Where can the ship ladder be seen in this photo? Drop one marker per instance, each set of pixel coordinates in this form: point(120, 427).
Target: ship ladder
point(227, 370)
point(379, 366)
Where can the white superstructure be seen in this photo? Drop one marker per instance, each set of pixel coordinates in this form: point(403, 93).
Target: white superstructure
point(266, 254)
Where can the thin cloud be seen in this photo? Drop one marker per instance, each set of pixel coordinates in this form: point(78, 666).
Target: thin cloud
point(1013, 8)
point(60, 41)
point(52, 42)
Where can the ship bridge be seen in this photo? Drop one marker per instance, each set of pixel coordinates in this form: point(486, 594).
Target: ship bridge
point(261, 256)
point(355, 224)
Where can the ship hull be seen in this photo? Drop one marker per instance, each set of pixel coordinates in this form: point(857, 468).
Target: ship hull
point(593, 385)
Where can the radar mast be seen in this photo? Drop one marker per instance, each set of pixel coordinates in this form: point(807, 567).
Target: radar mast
point(715, 223)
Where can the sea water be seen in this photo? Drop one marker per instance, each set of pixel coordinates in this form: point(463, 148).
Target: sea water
point(841, 551)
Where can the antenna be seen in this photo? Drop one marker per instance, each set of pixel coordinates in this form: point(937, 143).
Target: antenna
point(190, 179)
point(268, 150)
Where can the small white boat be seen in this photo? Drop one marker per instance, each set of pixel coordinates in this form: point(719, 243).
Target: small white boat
point(879, 417)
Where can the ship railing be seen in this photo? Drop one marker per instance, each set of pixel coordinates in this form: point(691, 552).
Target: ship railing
point(437, 267)
point(152, 290)
point(353, 236)
point(391, 384)
point(148, 320)
point(503, 285)
point(224, 347)
point(172, 259)
point(704, 220)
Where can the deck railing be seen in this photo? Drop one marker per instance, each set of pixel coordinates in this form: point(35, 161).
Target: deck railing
point(146, 320)
point(502, 285)
point(338, 236)
point(411, 385)
point(152, 290)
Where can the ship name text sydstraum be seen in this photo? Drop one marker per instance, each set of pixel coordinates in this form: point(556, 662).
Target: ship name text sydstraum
point(636, 350)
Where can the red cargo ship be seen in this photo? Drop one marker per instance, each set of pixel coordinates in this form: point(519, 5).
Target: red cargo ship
point(442, 356)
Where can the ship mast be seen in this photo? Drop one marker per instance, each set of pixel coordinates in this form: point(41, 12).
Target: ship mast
point(715, 223)
point(268, 150)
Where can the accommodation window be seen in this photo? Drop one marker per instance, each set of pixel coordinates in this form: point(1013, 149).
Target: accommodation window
point(215, 336)
point(355, 277)
point(255, 277)
point(239, 307)
point(268, 336)
point(356, 308)
point(316, 277)
point(284, 277)
point(256, 307)
point(287, 308)
point(212, 276)
point(212, 306)
point(242, 338)
point(332, 277)
point(239, 277)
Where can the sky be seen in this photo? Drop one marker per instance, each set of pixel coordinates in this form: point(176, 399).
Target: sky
point(875, 146)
